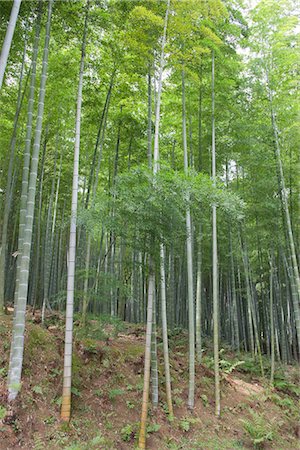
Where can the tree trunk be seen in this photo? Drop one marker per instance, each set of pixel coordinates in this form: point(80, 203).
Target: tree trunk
point(215, 256)
point(145, 400)
point(149, 142)
point(272, 324)
point(154, 369)
point(199, 298)
point(93, 187)
point(26, 163)
point(8, 38)
point(189, 251)
point(67, 377)
point(165, 330)
point(8, 190)
point(284, 199)
point(142, 438)
point(19, 326)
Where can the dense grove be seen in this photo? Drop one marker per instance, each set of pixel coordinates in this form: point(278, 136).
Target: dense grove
point(149, 170)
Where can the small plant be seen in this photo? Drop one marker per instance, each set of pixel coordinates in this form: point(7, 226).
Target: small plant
point(186, 422)
point(286, 387)
point(139, 386)
point(113, 393)
point(282, 402)
point(177, 391)
point(259, 430)
point(129, 387)
point(96, 441)
point(3, 372)
point(38, 443)
point(128, 433)
point(73, 447)
point(57, 401)
point(64, 427)
point(75, 391)
point(228, 366)
point(49, 420)
point(106, 363)
point(152, 428)
point(98, 392)
point(2, 412)
point(250, 366)
point(109, 425)
point(184, 425)
point(286, 403)
point(54, 372)
point(37, 390)
point(178, 401)
point(89, 346)
point(204, 400)
point(130, 405)
point(206, 381)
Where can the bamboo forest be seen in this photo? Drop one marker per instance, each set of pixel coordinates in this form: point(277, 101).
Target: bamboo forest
point(149, 224)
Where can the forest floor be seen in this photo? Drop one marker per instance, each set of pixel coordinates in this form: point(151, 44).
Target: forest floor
point(107, 393)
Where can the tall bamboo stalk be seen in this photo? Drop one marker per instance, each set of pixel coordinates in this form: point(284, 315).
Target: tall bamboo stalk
point(189, 252)
point(8, 38)
point(215, 254)
point(67, 376)
point(8, 190)
point(17, 350)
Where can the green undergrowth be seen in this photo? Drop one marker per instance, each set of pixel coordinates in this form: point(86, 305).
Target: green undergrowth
point(98, 327)
point(260, 429)
point(38, 338)
point(107, 390)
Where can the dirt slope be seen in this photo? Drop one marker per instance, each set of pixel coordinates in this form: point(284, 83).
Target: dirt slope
point(107, 391)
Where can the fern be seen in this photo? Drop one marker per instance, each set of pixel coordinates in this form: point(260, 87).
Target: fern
point(259, 430)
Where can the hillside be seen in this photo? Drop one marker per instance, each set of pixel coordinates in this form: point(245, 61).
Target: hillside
point(107, 388)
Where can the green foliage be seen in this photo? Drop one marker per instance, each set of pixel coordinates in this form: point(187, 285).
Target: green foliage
point(97, 441)
point(178, 401)
point(284, 402)
point(98, 392)
point(153, 428)
point(38, 443)
point(113, 393)
point(90, 346)
point(204, 400)
point(128, 432)
point(106, 363)
point(207, 381)
point(249, 366)
point(139, 386)
point(55, 372)
point(37, 390)
point(132, 206)
point(186, 422)
point(3, 371)
point(130, 405)
point(2, 412)
point(75, 391)
point(259, 429)
point(285, 386)
point(77, 366)
point(57, 401)
point(228, 366)
point(225, 365)
point(49, 420)
point(38, 338)
point(146, 207)
point(98, 328)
